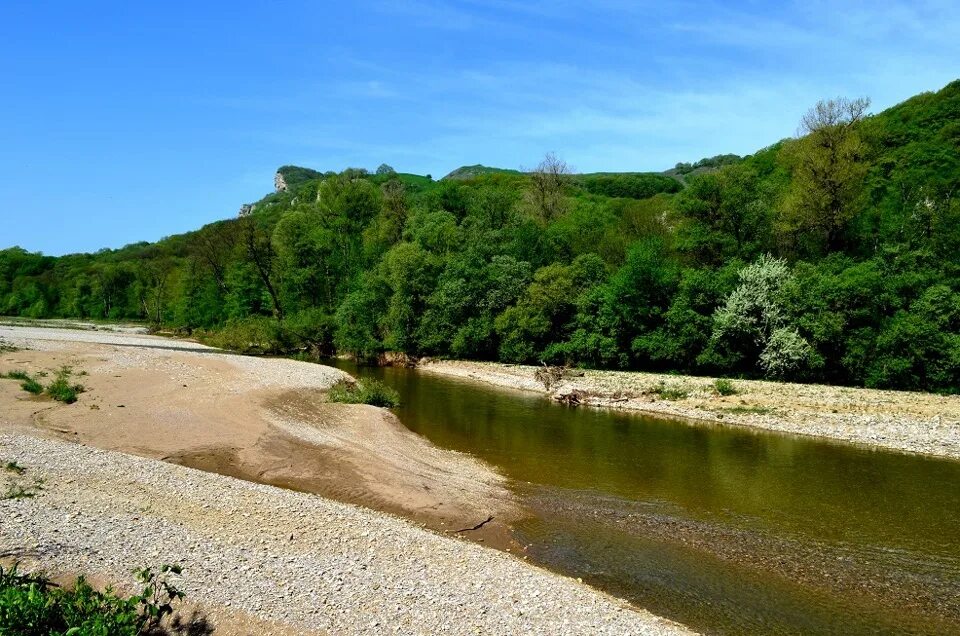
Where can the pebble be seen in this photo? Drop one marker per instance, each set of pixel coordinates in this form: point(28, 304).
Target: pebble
point(417, 582)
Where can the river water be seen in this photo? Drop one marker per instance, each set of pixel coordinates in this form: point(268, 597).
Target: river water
point(728, 531)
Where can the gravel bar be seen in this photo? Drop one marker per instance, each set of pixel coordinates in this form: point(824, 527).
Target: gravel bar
point(295, 560)
point(912, 422)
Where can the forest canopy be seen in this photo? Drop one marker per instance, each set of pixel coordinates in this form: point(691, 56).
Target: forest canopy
point(829, 257)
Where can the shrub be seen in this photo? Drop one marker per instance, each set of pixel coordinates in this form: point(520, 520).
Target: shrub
point(17, 486)
point(255, 335)
point(788, 355)
point(310, 331)
point(371, 392)
point(32, 386)
point(724, 386)
point(27, 383)
point(31, 605)
point(19, 491)
point(61, 390)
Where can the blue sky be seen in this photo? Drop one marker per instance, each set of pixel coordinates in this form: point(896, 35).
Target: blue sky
point(127, 121)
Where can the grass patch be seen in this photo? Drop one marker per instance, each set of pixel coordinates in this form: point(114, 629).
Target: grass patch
point(17, 487)
point(747, 410)
point(26, 382)
point(31, 386)
point(19, 491)
point(32, 605)
point(724, 386)
point(371, 392)
point(61, 390)
point(665, 392)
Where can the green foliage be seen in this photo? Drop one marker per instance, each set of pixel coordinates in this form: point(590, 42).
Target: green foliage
point(703, 165)
point(546, 309)
point(27, 383)
point(294, 176)
point(753, 329)
point(827, 176)
point(723, 386)
point(32, 605)
point(61, 389)
point(727, 214)
point(32, 386)
point(632, 185)
point(254, 335)
point(746, 410)
point(830, 257)
point(477, 170)
point(371, 392)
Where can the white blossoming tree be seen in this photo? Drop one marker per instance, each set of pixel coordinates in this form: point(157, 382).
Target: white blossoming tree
point(753, 315)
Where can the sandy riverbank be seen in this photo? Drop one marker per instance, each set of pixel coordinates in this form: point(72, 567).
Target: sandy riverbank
point(265, 420)
point(911, 422)
point(259, 559)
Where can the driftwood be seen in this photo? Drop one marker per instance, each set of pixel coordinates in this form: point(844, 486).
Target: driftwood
point(476, 527)
point(549, 376)
point(396, 359)
point(571, 399)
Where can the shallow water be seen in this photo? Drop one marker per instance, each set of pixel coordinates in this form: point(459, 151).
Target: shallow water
point(729, 531)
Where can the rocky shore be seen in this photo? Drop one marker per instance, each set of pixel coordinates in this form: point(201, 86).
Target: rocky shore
point(922, 423)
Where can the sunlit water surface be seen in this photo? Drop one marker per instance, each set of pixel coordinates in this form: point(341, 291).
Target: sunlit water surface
point(726, 530)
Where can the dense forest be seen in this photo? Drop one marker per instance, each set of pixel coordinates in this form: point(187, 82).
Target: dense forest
point(830, 257)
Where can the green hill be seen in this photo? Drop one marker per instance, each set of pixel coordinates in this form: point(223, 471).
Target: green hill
point(832, 257)
point(471, 172)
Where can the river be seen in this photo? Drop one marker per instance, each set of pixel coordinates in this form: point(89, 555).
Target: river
point(726, 530)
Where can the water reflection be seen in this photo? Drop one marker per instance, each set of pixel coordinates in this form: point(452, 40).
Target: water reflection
point(729, 531)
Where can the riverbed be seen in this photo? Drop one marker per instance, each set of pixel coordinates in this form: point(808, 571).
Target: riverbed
point(730, 531)
point(90, 496)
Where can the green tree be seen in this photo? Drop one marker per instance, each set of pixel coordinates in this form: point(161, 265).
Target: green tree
point(827, 166)
point(546, 193)
point(753, 327)
point(545, 311)
point(726, 215)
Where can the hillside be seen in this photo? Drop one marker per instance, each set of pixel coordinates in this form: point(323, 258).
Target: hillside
point(477, 170)
point(831, 257)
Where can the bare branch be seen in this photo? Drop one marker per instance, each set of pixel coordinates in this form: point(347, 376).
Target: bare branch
point(834, 112)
